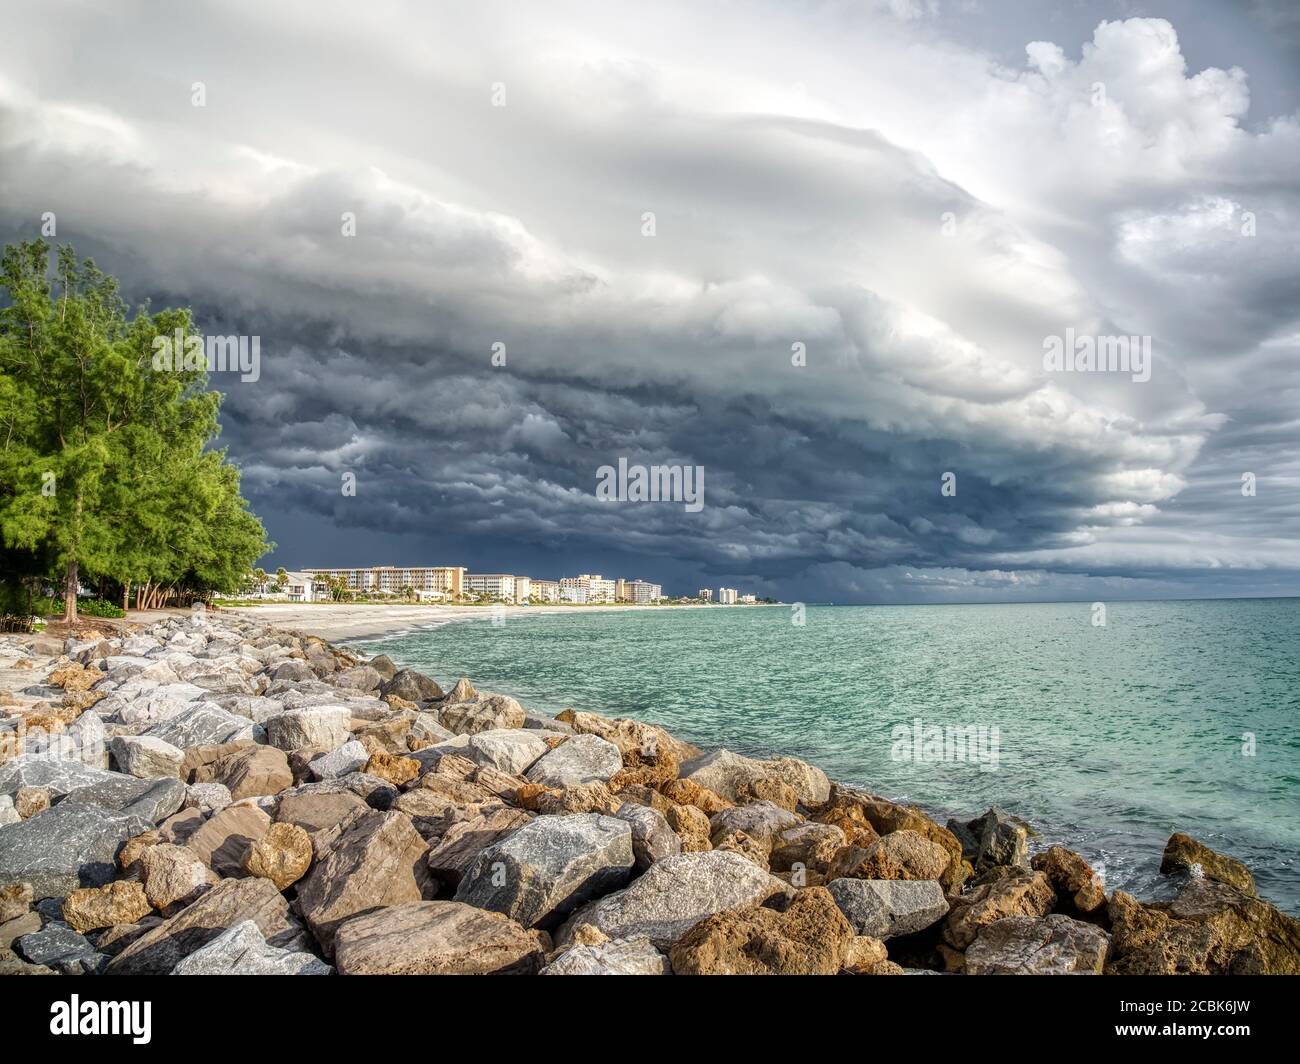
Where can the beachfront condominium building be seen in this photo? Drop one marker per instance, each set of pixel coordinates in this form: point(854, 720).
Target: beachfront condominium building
point(749, 600)
point(500, 587)
point(620, 591)
point(727, 596)
point(705, 594)
point(544, 590)
point(595, 588)
point(434, 582)
point(642, 592)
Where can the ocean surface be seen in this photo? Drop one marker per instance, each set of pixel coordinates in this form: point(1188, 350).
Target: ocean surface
point(1174, 716)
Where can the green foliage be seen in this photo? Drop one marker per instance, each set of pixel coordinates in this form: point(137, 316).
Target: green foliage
point(105, 466)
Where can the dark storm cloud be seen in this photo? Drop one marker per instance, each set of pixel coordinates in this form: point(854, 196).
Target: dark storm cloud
point(918, 216)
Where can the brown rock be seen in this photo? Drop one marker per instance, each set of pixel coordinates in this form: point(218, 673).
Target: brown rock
point(28, 801)
point(133, 849)
point(173, 875)
point(812, 846)
point(224, 840)
point(115, 939)
point(80, 701)
point(643, 795)
point(1018, 893)
point(249, 773)
point(865, 955)
point(315, 811)
point(1077, 886)
point(451, 858)
point(647, 740)
point(91, 908)
point(15, 900)
point(1209, 929)
point(1183, 854)
point(378, 861)
point(776, 791)
point(230, 902)
point(75, 678)
point(433, 814)
point(437, 938)
point(748, 847)
point(898, 855)
point(394, 768)
point(196, 757)
point(593, 797)
point(691, 825)
point(282, 855)
point(811, 937)
point(684, 792)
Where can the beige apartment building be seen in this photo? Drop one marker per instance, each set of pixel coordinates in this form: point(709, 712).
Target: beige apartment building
point(438, 582)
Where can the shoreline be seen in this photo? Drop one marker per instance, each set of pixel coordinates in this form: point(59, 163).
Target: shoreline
point(337, 812)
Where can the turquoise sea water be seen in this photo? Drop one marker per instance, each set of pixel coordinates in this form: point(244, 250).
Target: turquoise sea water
point(1109, 738)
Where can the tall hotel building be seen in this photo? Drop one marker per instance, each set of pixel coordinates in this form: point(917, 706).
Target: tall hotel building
point(446, 582)
point(642, 592)
point(727, 596)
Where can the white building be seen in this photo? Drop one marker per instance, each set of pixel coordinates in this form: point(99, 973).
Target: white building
point(705, 594)
point(642, 592)
point(574, 595)
point(727, 596)
point(594, 586)
point(429, 582)
point(300, 587)
point(749, 600)
point(500, 587)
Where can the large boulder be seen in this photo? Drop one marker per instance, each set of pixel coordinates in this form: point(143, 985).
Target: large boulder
point(224, 840)
point(202, 724)
point(759, 820)
point(888, 908)
point(350, 757)
point(994, 839)
point(618, 956)
point(674, 894)
point(485, 713)
point(242, 950)
point(377, 860)
point(173, 876)
point(91, 908)
point(412, 686)
point(146, 757)
point(463, 840)
point(542, 872)
point(733, 776)
point(899, 855)
point(56, 775)
point(635, 739)
point(1027, 945)
point(579, 759)
point(282, 855)
point(510, 750)
point(230, 902)
point(652, 836)
point(152, 799)
point(314, 810)
point(1077, 886)
point(1211, 928)
point(1018, 893)
point(811, 937)
point(437, 938)
point(359, 678)
point(59, 947)
point(249, 773)
point(314, 727)
point(1185, 854)
point(66, 847)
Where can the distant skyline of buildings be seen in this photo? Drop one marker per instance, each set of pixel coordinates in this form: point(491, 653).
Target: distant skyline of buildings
point(454, 583)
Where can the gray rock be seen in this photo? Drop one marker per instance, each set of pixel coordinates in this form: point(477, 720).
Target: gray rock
point(511, 750)
point(412, 686)
point(1029, 945)
point(155, 800)
point(674, 895)
point(541, 872)
point(318, 727)
point(652, 838)
point(541, 722)
point(66, 847)
point(485, 713)
point(294, 671)
point(359, 678)
point(384, 665)
point(207, 797)
point(59, 947)
point(58, 775)
point(241, 950)
point(759, 820)
point(350, 757)
point(580, 759)
point(887, 908)
point(994, 839)
point(618, 956)
point(146, 756)
point(202, 725)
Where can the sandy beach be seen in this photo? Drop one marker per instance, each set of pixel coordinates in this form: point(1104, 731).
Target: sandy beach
point(335, 621)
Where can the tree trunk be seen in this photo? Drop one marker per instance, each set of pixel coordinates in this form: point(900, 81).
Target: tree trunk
point(126, 596)
point(70, 594)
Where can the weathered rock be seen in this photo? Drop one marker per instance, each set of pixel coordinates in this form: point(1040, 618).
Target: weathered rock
point(15, 900)
point(412, 686)
point(686, 792)
point(203, 724)
point(146, 757)
point(384, 665)
point(393, 768)
point(758, 820)
point(316, 727)
point(619, 956)
point(542, 872)
point(746, 845)
point(197, 757)
point(511, 750)
point(727, 773)
point(810, 847)
point(1185, 854)
point(115, 939)
point(224, 840)
point(1210, 928)
point(464, 840)
point(674, 894)
point(249, 773)
point(994, 839)
point(579, 759)
point(691, 826)
point(811, 937)
point(207, 797)
point(314, 810)
point(66, 847)
point(59, 947)
point(294, 670)
point(848, 808)
point(866, 956)
point(90, 908)
point(173, 876)
point(898, 855)
point(8, 814)
point(888, 908)
point(359, 678)
point(580, 798)
point(652, 837)
point(1027, 945)
point(1018, 893)
point(12, 930)
point(437, 938)
point(57, 775)
point(634, 738)
point(28, 801)
point(1077, 886)
point(776, 791)
point(350, 757)
point(379, 860)
point(241, 950)
point(282, 855)
point(230, 902)
point(154, 799)
point(485, 713)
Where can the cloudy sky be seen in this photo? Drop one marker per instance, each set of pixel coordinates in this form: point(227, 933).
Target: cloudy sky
point(919, 193)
